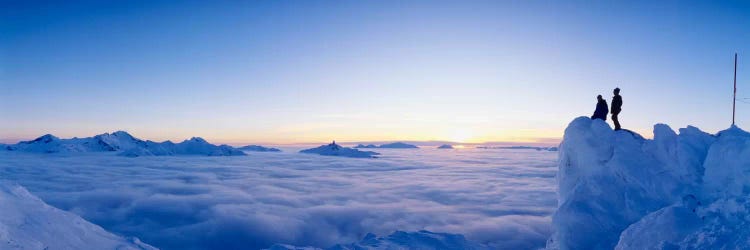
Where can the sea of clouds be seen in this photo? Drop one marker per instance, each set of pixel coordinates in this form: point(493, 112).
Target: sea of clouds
point(500, 197)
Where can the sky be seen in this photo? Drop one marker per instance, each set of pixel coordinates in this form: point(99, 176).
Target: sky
point(315, 71)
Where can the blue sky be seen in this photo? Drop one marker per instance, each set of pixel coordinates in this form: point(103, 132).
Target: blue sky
point(309, 71)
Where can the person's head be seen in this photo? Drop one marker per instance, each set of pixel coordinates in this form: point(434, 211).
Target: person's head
point(617, 91)
point(599, 97)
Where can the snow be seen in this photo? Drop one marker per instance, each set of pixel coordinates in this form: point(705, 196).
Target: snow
point(677, 191)
point(445, 146)
point(124, 143)
point(401, 240)
point(334, 149)
point(29, 223)
point(258, 148)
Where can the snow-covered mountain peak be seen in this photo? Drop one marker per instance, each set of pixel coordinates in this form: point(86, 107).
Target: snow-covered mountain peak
point(44, 139)
point(197, 140)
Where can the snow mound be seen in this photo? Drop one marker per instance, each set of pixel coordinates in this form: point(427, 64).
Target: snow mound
point(445, 146)
point(258, 148)
point(29, 223)
point(124, 143)
point(334, 149)
point(401, 240)
point(677, 191)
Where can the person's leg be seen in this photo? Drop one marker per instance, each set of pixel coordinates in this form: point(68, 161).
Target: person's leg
point(617, 122)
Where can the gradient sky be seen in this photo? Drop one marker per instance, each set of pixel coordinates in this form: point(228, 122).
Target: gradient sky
point(313, 71)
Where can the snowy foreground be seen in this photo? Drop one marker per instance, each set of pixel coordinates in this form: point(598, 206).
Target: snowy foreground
point(26, 222)
point(677, 191)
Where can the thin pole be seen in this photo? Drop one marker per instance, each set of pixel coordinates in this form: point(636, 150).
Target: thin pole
point(734, 100)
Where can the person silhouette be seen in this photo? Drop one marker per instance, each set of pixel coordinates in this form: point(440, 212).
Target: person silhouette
point(616, 107)
point(601, 109)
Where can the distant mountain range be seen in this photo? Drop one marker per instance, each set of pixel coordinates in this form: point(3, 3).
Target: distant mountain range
point(124, 143)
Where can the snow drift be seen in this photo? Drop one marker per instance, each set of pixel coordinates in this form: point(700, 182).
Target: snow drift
point(29, 223)
point(677, 191)
point(124, 143)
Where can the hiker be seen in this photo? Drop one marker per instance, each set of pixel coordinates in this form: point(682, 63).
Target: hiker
point(601, 109)
point(616, 108)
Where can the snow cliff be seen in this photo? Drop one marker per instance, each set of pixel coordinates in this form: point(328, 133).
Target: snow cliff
point(677, 191)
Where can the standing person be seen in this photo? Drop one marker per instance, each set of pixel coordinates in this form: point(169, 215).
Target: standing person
point(616, 108)
point(601, 109)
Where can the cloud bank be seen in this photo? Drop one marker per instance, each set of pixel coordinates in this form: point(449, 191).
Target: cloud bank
point(503, 198)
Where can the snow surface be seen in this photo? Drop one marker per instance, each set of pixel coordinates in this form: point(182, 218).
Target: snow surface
point(124, 143)
point(334, 149)
point(500, 198)
point(445, 146)
point(401, 240)
point(26, 222)
point(677, 191)
point(258, 148)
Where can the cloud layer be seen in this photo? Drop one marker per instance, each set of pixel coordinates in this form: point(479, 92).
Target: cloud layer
point(499, 197)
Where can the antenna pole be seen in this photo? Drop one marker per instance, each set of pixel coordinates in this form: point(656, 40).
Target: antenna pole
point(734, 100)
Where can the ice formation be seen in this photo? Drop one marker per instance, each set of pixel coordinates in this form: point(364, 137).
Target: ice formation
point(677, 191)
